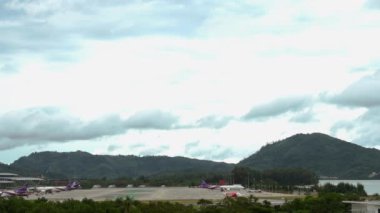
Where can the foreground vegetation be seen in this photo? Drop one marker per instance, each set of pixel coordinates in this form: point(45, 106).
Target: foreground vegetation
point(350, 191)
point(327, 203)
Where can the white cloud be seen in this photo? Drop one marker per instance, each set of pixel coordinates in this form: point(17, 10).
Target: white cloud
point(363, 93)
point(278, 107)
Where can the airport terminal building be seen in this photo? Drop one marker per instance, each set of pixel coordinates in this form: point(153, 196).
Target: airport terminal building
point(11, 179)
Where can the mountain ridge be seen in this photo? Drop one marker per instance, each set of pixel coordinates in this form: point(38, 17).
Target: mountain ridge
point(321, 153)
point(317, 152)
point(81, 164)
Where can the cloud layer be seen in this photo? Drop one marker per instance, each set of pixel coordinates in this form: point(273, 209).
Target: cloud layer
point(361, 94)
point(49, 124)
point(278, 107)
point(230, 75)
point(204, 151)
point(49, 24)
point(41, 125)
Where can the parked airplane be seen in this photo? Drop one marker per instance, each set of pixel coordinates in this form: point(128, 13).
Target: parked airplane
point(231, 187)
point(48, 189)
point(23, 191)
point(222, 187)
point(52, 189)
point(205, 185)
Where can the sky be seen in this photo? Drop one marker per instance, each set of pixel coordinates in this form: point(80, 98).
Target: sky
point(213, 79)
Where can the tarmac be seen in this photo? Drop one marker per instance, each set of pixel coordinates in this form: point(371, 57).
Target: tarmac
point(153, 194)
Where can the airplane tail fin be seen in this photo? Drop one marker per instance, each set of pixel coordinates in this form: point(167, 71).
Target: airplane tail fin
point(22, 190)
point(203, 184)
point(73, 185)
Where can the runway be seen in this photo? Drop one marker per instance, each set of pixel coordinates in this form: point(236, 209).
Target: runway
point(151, 194)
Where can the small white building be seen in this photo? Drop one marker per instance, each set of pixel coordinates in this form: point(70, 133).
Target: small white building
point(96, 186)
point(364, 206)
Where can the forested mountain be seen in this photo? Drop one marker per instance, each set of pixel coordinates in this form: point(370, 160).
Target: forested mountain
point(5, 168)
point(325, 155)
point(85, 165)
point(322, 154)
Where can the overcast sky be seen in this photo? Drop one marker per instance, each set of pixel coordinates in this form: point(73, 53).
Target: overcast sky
point(207, 79)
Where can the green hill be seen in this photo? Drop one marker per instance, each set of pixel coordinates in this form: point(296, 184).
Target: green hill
point(85, 165)
point(325, 155)
point(5, 168)
point(322, 154)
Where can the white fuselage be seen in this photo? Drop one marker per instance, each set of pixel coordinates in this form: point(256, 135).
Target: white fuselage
point(232, 187)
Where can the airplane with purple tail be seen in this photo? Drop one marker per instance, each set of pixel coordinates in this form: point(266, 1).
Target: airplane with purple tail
point(23, 191)
point(205, 185)
point(52, 189)
point(73, 185)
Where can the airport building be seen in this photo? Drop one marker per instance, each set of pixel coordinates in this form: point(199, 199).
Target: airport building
point(11, 179)
point(5, 178)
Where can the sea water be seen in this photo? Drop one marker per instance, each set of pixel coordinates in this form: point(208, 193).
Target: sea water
point(370, 186)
